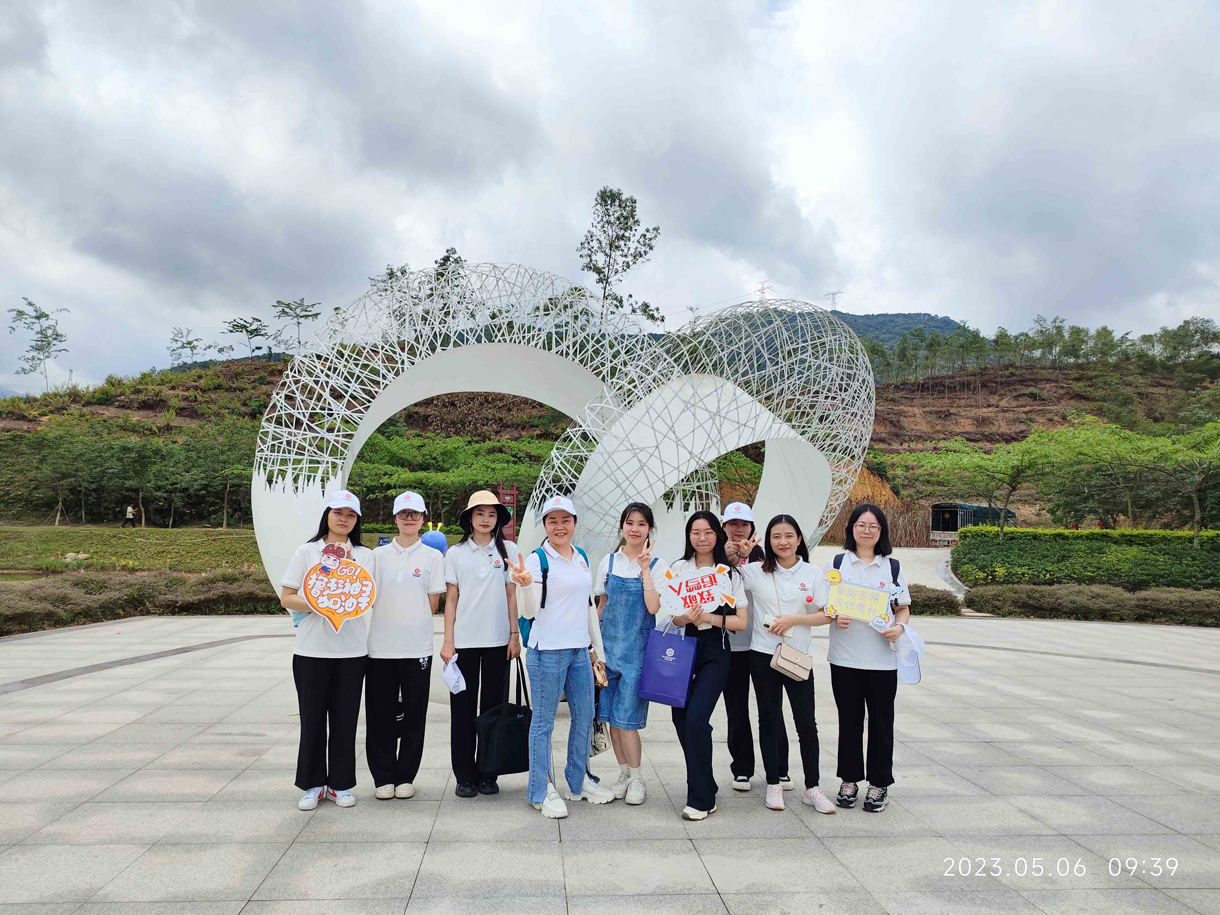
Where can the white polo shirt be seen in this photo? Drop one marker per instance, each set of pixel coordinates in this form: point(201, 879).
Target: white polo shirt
point(684, 567)
point(625, 568)
point(564, 621)
point(860, 645)
point(482, 610)
point(315, 637)
point(784, 592)
point(402, 613)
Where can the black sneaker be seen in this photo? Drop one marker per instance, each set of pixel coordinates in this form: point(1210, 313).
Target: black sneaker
point(489, 786)
point(848, 792)
point(876, 799)
point(465, 789)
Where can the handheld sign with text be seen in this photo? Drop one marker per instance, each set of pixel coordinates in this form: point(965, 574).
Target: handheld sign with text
point(705, 590)
point(857, 602)
point(338, 588)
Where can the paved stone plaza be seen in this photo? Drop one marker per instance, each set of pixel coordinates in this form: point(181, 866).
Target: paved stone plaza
point(165, 786)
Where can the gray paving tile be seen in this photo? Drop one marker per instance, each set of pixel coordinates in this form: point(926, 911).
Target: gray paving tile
point(1037, 862)
point(654, 866)
point(194, 756)
point(1107, 902)
point(169, 785)
point(382, 822)
point(39, 908)
point(1112, 780)
point(47, 785)
point(1056, 754)
point(18, 820)
point(895, 820)
point(61, 873)
point(113, 824)
point(1189, 814)
point(914, 864)
point(984, 815)
point(656, 818)
point(230, 907)
point(219, 822)
point(326, 907)
point(1205, 902)
point(509, 905)
point(737, 867)
point(1198, 865)
point(959, 754)
point(534, 869)
point(262, 785)
point(107, 756)
point(193, 873)
point(966, 902)
point(842, 902)
point(1074, 815)
point(27, 756)
point(1029, 780)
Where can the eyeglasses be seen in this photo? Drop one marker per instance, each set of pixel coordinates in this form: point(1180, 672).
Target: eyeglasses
point(407, 515)
point(868, 528)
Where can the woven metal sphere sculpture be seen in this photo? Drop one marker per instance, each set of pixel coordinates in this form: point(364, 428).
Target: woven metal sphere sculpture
point(650, 411)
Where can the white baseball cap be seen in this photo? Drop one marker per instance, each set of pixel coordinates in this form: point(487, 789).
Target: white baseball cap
point(558, 503)
point(410, 501)
point(737, 511)
point(344, 499)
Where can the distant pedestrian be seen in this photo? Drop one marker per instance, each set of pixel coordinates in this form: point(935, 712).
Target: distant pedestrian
point(130, 516)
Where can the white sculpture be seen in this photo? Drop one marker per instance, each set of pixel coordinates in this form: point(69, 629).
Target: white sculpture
point(651, 411)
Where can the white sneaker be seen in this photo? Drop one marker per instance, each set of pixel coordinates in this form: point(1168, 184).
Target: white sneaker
point(384, 792)
point(785, 782)
point(406, 789)
point(690, 813)
point(594, 793)
point(637, 792)
point(741, 783)
point(775, 797)
point(309, 800)
point(553, 808)
point(342, 798)
point(817, 800)
point(620, 787)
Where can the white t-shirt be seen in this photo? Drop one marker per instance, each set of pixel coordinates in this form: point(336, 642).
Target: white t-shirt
point(564, 621)
point(624, 568)
point(315, 637)
point(684, 567)
point(482, 609)
point(860, 645)
point(784, 592)
point(402, 613)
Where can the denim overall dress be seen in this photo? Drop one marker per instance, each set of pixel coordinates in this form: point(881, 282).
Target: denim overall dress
point(626, 623)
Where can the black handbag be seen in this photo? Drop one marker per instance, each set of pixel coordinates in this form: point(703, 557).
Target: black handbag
point(504, 731)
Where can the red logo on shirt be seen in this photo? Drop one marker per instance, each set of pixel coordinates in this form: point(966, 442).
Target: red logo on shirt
point(417, 573)
point(496, 563)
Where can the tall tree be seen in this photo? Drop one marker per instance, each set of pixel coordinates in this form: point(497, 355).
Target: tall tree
point(47, 342)
point(182, 345)
point(613, 245)
point(250, 328)
point(298, 313)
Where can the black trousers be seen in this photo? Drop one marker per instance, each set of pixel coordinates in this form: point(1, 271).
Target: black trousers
point(481, 667)
point(769, 688)
point(737, 707)
point(127, 521)
point(394, 750)
point(694, 722)
point(328, 696)
point(855, 690)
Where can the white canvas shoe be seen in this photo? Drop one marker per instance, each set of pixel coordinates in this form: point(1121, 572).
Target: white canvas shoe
point(384, 792)
point(309, 800)
point(620, 786)
point(690, 813)
point(342, 798)
point(817, 800)
point(785, 782)
point(637, 792)
point(594, 793)
point(406, 789)
point(741, 783)
point(553, 808)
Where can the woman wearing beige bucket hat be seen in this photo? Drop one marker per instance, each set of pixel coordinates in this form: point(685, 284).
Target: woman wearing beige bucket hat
point(480, 628)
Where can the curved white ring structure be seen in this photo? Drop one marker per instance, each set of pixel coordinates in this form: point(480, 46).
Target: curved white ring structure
point(651, 411)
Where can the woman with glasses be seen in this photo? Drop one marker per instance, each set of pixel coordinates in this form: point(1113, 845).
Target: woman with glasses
point(863, 661)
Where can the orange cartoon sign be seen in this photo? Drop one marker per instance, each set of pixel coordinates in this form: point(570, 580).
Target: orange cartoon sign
point(338, 588)
point(699, 590)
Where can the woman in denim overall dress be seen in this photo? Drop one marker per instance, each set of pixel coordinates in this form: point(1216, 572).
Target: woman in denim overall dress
point(627, 601)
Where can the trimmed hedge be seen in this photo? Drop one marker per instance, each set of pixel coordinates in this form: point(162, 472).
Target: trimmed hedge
point(93, 597)
point(1176, 606)
point(933, 602)
point(188, 549)
point(1131, 560)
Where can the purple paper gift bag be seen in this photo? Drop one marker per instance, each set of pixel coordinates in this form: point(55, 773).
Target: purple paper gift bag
point(669, 659)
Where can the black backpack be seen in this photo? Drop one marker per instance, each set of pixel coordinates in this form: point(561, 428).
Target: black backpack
point(894, 567)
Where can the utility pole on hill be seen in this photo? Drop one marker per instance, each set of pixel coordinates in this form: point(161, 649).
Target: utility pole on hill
point(834, 299)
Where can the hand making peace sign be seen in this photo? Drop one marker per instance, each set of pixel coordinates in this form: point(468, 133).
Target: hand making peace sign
point(645, 557)
point(519, 574)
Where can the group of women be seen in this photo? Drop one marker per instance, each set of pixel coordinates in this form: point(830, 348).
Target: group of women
point(579, 621)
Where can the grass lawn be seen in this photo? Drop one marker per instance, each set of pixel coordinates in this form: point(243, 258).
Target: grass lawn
point(188, 549)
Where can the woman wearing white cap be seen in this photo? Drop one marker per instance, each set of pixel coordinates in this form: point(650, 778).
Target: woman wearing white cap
point(742, 548)
point(410, 579)
point(480, 628)
point(328, 665)
point(558, 599)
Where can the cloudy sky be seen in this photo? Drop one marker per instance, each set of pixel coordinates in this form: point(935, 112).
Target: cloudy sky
point(179, 163)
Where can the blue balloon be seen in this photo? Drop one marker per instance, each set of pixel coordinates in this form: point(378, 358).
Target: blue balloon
point(436, 540)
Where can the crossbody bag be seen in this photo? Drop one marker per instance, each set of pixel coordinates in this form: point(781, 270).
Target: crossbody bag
point(791, 662)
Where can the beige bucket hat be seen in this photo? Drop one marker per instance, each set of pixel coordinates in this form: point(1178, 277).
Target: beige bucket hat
point(484, 497)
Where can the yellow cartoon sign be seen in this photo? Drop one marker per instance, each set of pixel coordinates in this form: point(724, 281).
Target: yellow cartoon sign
point(857, 602)
point(338, 588)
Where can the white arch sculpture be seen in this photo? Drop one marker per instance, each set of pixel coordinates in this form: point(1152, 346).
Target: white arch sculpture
point(650, 411)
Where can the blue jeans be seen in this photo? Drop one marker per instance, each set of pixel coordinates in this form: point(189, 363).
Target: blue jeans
point(552, 673)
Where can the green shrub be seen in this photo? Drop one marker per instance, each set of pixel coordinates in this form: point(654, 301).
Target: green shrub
point(93, 597)
point(933, 602)
point(103, 396)
point(1178, 606)
point(1132, 560)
